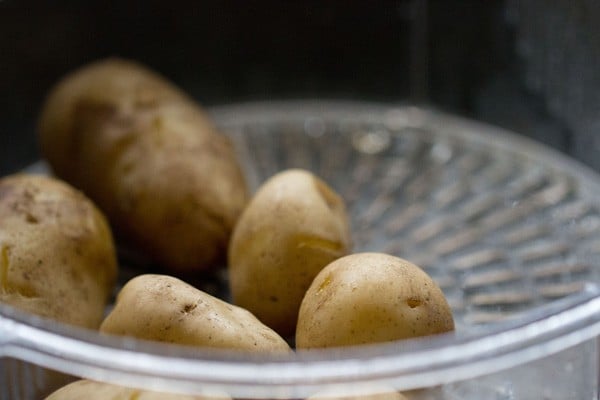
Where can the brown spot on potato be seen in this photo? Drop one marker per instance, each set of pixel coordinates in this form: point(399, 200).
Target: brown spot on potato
point(4, 264)
point(188, 308)
point(31, 219)
point(413, 302)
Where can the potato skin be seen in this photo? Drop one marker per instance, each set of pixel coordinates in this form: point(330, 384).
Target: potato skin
point(166, 309)
point(57, 257)
point(293, 227)
point(364, 394)
point(150, 157)
point(369, 298)
point(90, 390)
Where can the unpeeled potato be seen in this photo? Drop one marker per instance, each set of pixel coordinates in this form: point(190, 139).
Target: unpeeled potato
point(166, 309)
point(90, 390)
point(369, 298)
point(293, 227)
point(150, 157)
point(57, 256)
point(377, 396)
point(365, 392)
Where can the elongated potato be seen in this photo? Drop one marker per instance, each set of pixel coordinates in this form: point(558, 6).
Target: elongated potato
point(166, 309)
point(150, 157)
point(293, 227)
point(369, 298)
point(90, 390)
point(57, 257)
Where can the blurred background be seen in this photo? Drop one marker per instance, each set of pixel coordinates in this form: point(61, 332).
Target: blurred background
point(531, 66)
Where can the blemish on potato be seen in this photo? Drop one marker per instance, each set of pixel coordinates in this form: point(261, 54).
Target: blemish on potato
point(315, 242)
point(188, 307)
point(31, 219)
point(326, 282)
point(4, 264)
point(413, 302)
point(135, 395)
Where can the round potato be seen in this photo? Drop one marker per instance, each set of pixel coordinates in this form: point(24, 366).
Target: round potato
point(293, 227)
point(369, 298)
point(368, 396)
point(57, 257)
point(166, 309)
point(90, 390)
point(151, 159)
point(377, 396)
point(365, 392)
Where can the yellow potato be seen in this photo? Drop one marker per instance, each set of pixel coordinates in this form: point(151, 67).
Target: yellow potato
point(166, 309)
point(151, 159)
point(90, 390)
point(366, 392)
point(57, 257)
point(377, 396)
point(293, 227)
point(369, 298)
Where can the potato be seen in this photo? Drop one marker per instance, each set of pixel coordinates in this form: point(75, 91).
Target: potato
point(366, 392)
point(369, 298)
point(90, 390)
point(166, 309)
point(57, 257)
point(377, 396)
point(293, 227)
point(150, 157)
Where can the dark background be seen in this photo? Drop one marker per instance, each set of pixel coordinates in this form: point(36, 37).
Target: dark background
point(455, 55)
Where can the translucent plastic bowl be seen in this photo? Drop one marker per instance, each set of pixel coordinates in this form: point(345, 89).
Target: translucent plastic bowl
point(508, 228)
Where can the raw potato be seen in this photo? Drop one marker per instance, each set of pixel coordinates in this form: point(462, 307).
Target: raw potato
point(90, 390)
point(150, 157)
point(378, 396)
point(166, 309)
point(369, 298)
point(57, 257)
point(293, 227)
point(365, 392)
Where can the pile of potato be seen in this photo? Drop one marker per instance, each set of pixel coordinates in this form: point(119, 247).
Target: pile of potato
point(125, 143)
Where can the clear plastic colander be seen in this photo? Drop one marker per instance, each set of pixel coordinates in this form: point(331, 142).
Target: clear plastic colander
point(509, 229)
